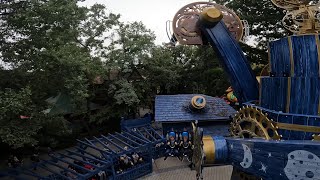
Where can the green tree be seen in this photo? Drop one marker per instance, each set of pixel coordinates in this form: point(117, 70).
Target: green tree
point(129, 51)
point(213, 80)
point(56, 46)
point(130, 46)
point(162, 71)
point(264, 20)
point(16, 131)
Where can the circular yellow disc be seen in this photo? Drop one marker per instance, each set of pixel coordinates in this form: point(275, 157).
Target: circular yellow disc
point(198, 102)
point(212, 14)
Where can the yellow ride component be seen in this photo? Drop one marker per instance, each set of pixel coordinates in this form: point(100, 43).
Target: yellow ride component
point(209, 149)
point(211, 15)
point(198, 102)
point(250, 122)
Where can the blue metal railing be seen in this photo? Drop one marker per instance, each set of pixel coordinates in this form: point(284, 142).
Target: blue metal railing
point(101, 154)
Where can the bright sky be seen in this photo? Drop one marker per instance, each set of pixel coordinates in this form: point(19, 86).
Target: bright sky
point(152, 13)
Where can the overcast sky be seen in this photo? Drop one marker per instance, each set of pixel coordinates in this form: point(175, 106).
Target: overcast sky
point(153, 13)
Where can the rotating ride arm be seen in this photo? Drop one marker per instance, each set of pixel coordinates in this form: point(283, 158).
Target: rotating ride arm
point(204, 22)
point(254, 149)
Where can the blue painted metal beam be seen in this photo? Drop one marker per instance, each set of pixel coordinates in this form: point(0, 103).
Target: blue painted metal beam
point(93, 147)
point(137, 133)
point(73, 158)
point(128, 139)
point(154, 131)
point(104, 145)
point(114, 137)
point(272, 159)
point(115, 144)
point(140, 134)
point(149, 134)
point(96, 158)
point(135, 136)
point(57, 165)
point(72, 164)
point(89, 142)
point(233, 60)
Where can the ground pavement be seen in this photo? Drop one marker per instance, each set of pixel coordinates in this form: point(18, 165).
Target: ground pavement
point(173, 169)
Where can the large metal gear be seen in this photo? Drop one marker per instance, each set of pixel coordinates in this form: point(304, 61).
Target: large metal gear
point(185, 22)
point(250, 122)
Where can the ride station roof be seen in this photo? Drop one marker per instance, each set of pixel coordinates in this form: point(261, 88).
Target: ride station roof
point(176, 108)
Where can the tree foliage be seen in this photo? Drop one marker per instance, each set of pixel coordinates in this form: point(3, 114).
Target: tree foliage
point(51, 45)
point(264, 20)
point(162, 71)
point(15, 131)
point(88, 54)
point(124, 93)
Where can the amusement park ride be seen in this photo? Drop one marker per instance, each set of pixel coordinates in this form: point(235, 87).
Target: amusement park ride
point(275, 135)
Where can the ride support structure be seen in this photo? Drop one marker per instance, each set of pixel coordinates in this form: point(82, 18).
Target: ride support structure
point(274, 134)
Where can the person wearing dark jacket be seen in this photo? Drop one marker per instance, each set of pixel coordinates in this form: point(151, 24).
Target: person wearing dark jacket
point(172, 146)
point(185, 146)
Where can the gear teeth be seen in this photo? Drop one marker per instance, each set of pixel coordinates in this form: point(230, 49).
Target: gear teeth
point(276, 138)
point(253, 115)
point(315, 137)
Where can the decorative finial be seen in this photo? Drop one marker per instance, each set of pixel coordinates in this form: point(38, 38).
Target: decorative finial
point(303, 16)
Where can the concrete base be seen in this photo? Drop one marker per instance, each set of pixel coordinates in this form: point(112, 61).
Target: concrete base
point(173, 169)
